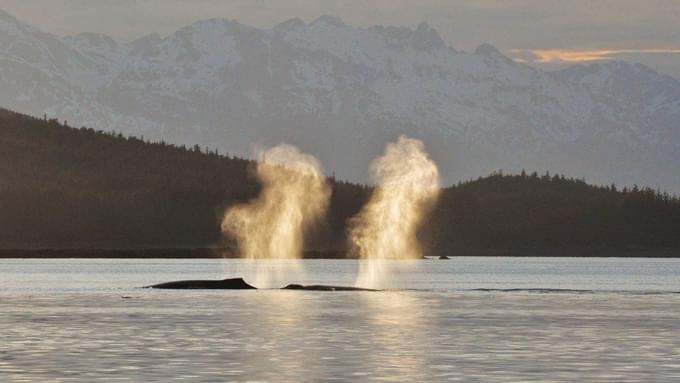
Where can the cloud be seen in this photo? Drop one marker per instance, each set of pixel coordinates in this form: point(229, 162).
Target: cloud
point(551, 56)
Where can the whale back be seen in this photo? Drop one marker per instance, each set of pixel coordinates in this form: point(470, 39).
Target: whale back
point(223, 284)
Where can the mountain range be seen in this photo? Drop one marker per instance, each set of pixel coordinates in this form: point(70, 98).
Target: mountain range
point(341, 92)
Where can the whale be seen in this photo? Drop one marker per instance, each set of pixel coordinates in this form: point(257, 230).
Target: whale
point(240, 284)
point(324, 288)
point(222, 284)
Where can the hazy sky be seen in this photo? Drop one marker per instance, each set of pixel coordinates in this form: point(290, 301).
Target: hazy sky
point(540, 32)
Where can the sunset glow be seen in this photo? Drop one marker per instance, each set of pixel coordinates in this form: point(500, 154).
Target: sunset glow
point(547, 56)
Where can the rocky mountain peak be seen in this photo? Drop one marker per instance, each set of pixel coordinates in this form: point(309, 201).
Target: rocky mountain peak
point(425, 37)
point(291, 24)
point(327, 20)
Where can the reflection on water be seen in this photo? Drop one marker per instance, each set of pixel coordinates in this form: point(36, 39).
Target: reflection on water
point(81, 321)
point(284, 318)
point(291, 336)
point(399, 336)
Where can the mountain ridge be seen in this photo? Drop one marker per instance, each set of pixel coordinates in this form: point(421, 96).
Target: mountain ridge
point(342, 92)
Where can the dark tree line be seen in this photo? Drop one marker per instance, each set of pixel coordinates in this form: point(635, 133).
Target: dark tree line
point(537, 214)
point(67, 187)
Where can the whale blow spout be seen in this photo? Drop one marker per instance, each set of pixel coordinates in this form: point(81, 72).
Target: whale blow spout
point(223, 284)
point(294, 197)
point(385, 230)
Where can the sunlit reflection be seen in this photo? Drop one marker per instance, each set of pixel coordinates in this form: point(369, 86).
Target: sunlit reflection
point(400, 342)
point(286, 319)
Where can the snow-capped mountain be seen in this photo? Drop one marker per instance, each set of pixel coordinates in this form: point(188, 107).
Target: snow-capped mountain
point(342, 92)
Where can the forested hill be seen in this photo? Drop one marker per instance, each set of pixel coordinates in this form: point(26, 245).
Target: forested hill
point(66, 187)
point(531, 214)
point(62, 187)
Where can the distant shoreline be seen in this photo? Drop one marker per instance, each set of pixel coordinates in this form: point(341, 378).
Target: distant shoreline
point(215, 253)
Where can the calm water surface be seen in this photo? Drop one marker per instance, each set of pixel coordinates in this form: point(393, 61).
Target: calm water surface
point(467, 319)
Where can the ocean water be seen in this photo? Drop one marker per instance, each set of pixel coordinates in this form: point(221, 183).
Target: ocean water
point(465, 319)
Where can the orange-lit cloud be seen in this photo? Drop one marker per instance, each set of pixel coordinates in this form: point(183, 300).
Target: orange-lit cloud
point(548, 56)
